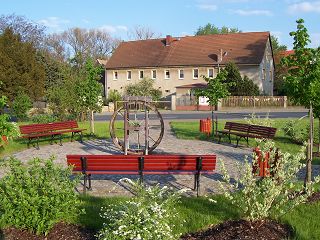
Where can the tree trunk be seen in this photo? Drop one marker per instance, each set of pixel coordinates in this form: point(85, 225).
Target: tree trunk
point(310, 149)
point(91, 122)
point(212, 121)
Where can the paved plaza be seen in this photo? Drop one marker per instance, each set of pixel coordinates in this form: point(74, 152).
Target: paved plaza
point(109, 184)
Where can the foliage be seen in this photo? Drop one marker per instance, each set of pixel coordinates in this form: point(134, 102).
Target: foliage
point(7, 128)
point(145, 87)
point(256, 120)
point(43, 118)
point(149, 215)
point(240, 86)
point(21, 105)
point(89, 89)
point(302, 80)
point(274, 196)
point(142, 33)
point(37, 195)
point(114, 96)
point(19, 67)
point(276, 46)
point(216, 88)
point(212, 29)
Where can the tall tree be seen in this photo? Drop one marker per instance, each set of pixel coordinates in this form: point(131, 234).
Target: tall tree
point(217, 88)
point(142, 33)
point(302, 80)
point(212, 29)
point(239, 86)
point(19, 68)
point(29, 31)
point(276, 46)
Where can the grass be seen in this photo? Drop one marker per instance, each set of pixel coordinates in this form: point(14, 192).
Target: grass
point(101, 132)
point(199, 213)
point(190, 130)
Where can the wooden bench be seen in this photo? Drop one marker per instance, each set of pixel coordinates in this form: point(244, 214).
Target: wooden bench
point(142, 165)
point(246, 131)
point(35, 131)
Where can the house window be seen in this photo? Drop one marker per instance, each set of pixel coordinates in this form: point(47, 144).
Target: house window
point(210, 72)
point(115, 75)
point(140, 74)
point(195, 73)
point(153, 74)
point(167, 74)
point(181, 74)
point(128, 75)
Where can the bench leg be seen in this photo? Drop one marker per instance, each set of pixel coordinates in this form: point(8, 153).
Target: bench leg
point(85, 183)
point(229, 136)
point(89, 178)
point(72, 134)
point(28, 143)
point(198, 185)
point(60, 139)
point(81, 140)
point(38, 143)
point(237, 141)
point(195, 182)
point(247, 141)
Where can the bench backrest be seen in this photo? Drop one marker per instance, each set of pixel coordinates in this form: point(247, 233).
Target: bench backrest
point(147, 163)
point(235, 126)
point(47, 127)
point(263, 131)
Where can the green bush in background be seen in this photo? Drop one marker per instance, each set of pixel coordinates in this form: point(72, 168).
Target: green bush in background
point(36, 195)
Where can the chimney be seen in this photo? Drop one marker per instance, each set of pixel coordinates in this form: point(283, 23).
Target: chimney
point(168, 40)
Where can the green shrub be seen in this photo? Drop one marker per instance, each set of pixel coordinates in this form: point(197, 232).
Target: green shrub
point(260, 198)
point(43, 118)
point(36, 195)
point(256, 120)
point(148, 216)
point(21, 105)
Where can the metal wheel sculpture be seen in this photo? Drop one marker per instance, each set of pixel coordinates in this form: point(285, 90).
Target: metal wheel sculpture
point(137, 126)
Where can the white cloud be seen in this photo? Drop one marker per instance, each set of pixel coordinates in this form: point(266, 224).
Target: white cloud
point(55, 23)
point(304, 7)
point(113, 29)
point(207, 6)
point(253, 12)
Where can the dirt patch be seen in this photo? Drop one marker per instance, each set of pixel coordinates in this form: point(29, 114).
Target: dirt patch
point(241, 229)
point(61, 231)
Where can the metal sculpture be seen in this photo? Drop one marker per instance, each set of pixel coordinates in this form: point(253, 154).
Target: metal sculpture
point(136, 127)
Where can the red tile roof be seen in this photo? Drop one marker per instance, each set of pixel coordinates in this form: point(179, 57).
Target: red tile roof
point(241, 48)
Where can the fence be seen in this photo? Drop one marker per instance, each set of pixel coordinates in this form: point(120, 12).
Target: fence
point(190, 102)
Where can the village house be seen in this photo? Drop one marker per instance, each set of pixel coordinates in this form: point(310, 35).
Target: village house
point(177, 64)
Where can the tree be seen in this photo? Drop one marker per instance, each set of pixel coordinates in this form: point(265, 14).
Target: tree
point(142, 33)
point(143, 88)
point(29, 31)
point(19, 67)
point(278, 52)
point(302, 80)
point(21, 105)
point(212, 29)
point(239, 86)
point(89, 90)
point(217, 88)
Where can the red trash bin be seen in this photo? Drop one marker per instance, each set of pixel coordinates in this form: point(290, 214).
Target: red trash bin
point(205, 126)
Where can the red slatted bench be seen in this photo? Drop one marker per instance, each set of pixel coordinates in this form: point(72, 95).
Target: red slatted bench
point(246, 131)
point(142, 165)
point(35, 131)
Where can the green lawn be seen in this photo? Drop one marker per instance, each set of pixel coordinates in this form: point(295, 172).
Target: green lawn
point(190, 130)
point(198, 213)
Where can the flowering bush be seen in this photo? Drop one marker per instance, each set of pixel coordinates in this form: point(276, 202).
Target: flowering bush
point(257, 120)
point(147, 216)
point(260, 198)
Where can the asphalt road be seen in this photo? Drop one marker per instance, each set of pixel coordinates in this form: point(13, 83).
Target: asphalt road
point(221, 115)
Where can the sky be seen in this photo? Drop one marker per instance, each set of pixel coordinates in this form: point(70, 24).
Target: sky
point(171, 17)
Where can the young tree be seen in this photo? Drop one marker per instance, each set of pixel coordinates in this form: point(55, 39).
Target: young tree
point(212, 29)
point(239, 86)
point(302, 80)
point(143, 88)
point(216, 89)
point(142, 33)
point(19, 67)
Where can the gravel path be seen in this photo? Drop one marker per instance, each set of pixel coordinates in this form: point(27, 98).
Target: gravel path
point(109, 185)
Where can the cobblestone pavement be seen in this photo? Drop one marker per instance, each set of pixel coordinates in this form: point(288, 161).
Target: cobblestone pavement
point(109, 185)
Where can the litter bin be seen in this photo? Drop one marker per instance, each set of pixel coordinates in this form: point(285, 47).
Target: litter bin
point(205, 126)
